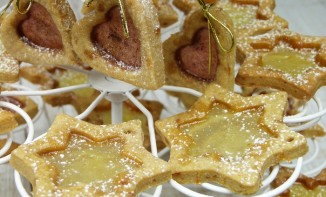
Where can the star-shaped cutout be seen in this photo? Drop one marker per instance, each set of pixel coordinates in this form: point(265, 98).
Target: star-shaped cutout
point(76, 157)
point(284, 60)
point(230, 139)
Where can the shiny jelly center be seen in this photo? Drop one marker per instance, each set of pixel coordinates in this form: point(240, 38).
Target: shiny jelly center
point(87, 162)
point(288, 61)
point(226, 132)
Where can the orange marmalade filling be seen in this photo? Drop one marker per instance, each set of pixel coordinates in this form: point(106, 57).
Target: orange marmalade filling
point(226, 132)
point(288, 61)
point(85, 162)
point(241, 15)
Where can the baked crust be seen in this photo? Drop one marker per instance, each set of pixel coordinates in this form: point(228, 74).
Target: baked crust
point(241, 173)
point(150, 74)
point(13, 146)
point(63, 18)
point(304, 84)
point(147, 172)
point(9, 66)
point(24, 102)
point(7, 121)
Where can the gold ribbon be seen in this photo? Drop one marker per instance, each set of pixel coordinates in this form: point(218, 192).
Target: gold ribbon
point(17, 4)
point(210, 19)
point(122, 14)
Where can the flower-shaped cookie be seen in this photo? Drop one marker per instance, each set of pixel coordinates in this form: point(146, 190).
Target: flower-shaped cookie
point(284, 60)
point(230, 139)
point(77, 158)
point(42, 34)
point(99, 40)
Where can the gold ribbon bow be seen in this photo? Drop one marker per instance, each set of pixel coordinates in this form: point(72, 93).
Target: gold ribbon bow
point(123, 16)
point(210, 19)
point(19, 10)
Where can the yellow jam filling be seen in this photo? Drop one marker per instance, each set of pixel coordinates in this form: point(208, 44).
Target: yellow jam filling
point(288, 61)
point(297, 190)
point(227, 132)
point(70, 78)
point(96, 164)
point(241, 15)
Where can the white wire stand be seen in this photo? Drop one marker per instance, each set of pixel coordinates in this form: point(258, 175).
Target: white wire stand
point(30, 126)
point(112, 89)
point(302, 121)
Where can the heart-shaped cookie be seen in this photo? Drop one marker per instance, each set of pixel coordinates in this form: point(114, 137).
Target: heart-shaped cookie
point(187, 55)
point(99, 40)
point(41, 36)
point(113, 44)
point(194, 58)
point(39, 28)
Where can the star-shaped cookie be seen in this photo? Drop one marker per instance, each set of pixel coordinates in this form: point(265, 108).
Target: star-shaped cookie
point(77, 158)
point(248, 16)
point(284, 60)
point(230, 139)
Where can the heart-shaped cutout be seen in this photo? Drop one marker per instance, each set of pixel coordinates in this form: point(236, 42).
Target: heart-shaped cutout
point(39, 28)
point(193, 58)
point(109, 38)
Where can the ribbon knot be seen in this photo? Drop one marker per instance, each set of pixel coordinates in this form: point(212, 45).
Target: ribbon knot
point(17, 5)
point(211, 29)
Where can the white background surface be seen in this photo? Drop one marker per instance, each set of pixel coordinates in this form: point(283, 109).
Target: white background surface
point(304, 16)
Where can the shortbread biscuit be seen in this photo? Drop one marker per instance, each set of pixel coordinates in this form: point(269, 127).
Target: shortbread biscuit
point(99, 41)
point(229, 139)
point(166, 14)
point(78, 158)
point(283, 60)
point(42, 35)
point(7, 121)
point(23, 102)
point(187, 53)
point(304, 186)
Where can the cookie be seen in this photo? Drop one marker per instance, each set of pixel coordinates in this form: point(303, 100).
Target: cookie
point(100, 41)
point(78, 158)
point(229, 139)
point(41, 35)
point(284, 60)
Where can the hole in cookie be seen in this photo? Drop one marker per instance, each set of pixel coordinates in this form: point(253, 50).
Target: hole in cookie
point(113, 45)
point(193, 58)
point(39, 29)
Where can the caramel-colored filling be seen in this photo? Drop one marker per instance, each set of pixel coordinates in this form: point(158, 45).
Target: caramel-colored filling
point(241, 15)
point(288, 61)
point(113, 45)
point(97, 164)
point(226, 132)
point(193, 59)
point(39, 29)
